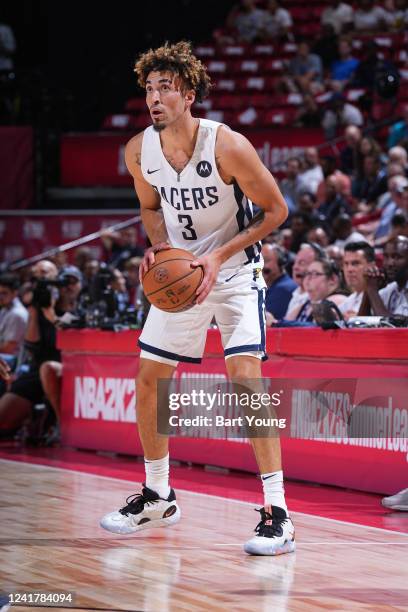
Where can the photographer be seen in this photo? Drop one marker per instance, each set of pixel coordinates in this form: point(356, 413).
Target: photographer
point(52, 300)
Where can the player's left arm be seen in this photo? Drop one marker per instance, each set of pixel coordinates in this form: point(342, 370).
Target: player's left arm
point(238, 161)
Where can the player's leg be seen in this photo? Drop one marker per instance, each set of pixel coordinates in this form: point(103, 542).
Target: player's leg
point(275, 533)
point(167, 338)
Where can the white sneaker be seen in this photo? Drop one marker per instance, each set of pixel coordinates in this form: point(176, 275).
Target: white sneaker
point(399, 501)
point(143, 511)
point(275, 534)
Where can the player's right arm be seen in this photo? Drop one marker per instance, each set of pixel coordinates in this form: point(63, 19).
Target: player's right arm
point(150, 208)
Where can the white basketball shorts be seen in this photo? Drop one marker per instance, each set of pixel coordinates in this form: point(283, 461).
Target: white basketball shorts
point(238, 306)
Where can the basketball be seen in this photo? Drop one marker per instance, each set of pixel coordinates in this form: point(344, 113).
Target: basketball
point(171, 283)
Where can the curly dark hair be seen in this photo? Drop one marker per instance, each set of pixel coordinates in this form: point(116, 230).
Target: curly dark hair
point(179, 60)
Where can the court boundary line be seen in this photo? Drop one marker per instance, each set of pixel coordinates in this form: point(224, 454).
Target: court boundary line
point(219, 497)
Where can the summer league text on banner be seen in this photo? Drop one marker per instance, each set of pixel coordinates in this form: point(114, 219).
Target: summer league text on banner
point(327, 409)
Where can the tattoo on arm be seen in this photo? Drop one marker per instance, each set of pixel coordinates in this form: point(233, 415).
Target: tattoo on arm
point(255, 222)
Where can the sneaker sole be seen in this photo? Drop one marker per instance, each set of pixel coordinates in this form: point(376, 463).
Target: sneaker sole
point(153, 524)
point(254, 549)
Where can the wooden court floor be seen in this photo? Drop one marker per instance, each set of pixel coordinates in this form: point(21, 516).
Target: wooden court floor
point(50, 540)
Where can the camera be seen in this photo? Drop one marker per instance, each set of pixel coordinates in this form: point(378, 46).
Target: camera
point(44, 291)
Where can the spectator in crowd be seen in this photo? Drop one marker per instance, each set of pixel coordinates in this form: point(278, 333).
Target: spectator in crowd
point(370, 18)
point(13, 316)
point(336, 254)
point(348, 156)
point(245, 20)
point(399, 155)
point(89, 273)
point(305, 71)
point(309, 114)
point(368, 146)
point(329, 167)
point(399, 16)
point(313, 173)
point(358, 257)
point(132, 280)
point(318, 235)
point(291, 185)
point(343, 233)
point(307, 205)
point(7, 48)
point(118, 284)
point(393, 298)
point(369, 185)
point(334, 204)
point(371, 66)
point(277, 22)
point(82, 255)
point(399, 223)
point(47, 309)
point(43, 269)
point(327, 46)
point(279, 284)
point(340, 113)
point(121, 246)
point(321, 281)
point(343, 69)
point(399, 131)
point(394, 201)
point(306, 254)
point(339, 15)
point(300, 224)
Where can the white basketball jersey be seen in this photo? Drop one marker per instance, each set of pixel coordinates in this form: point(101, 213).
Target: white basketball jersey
point(201, 212)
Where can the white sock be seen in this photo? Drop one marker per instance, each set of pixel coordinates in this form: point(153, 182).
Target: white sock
point(274, 492)
point(157, 476)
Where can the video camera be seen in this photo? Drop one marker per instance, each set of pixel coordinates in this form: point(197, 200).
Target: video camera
point(45, 290)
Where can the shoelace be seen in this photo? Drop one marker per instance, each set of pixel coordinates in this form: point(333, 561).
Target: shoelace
point(269, 526)
point(136, 503)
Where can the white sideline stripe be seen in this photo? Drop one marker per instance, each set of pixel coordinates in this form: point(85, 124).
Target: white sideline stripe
point(234, 501)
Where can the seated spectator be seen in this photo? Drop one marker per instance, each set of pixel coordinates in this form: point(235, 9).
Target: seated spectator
point(348, 156)
point(371, 66)
point(13, 316)
point(338, 114)
point(369, 18)
point(399, 16)
point(321, 282)
point(305, 71)
point(334, 204)
point(399, 131)
point(277, 22)
point(394, 201)
point(118, 284)
point(318, 235)
point(329, 167)
point(132, 280)
point(339, 15)
point(245, 21)
point(343, 233)
point(307, 205)
point(309, 114)
point(343, 69)
point(89, 273)
point(300, 224)
point(291, 185)
point(393, 298)
point(45, 312)
point(306, 254)
point(327, 46)
point(121, 246)
point(336, 254)
point(279, 284)
point(369, 185)
point(358, 257)
point(82, 255)
point(313, 173)
point(399, 155)
point(368, 146)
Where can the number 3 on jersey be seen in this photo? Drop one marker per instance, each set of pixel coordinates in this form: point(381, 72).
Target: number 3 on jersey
point(190, 234)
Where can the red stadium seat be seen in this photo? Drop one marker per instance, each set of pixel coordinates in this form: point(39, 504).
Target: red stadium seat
point(226, 84)
point(229, 102)
point(282, 116)
point(253, 66)
point(274, 65)
point(119, 121)
point(217, 66)
point(135, 104)
point(250, 117)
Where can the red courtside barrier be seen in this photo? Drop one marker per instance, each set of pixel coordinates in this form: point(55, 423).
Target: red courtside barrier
point(98, 401)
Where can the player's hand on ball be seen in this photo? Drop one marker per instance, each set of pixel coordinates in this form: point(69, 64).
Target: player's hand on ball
point(211, 264)
point(148, 257)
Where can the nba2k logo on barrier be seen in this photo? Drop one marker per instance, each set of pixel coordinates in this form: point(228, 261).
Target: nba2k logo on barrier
point(204, 169)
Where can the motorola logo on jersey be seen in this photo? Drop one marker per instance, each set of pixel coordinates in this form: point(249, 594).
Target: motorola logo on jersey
point(185, 198)
point(204, 169)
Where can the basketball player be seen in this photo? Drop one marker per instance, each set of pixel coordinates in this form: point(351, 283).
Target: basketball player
point(195, 180)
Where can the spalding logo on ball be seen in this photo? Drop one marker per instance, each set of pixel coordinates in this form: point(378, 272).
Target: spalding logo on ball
point(171, 283)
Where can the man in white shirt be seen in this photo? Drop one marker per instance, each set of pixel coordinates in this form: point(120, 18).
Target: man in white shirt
point(13, 316)
point(277, 21)
point(358, 257)
point(393, 298)
point(339, 15)
point(313, 174)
